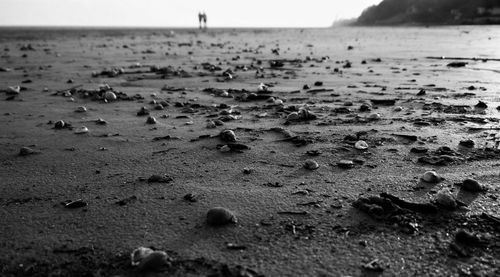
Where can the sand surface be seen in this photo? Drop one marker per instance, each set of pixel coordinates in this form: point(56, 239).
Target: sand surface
point(291, 221)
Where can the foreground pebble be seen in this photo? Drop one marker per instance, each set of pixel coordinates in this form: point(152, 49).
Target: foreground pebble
point(472, 185)
point(311, 165)
point(431, 177)
point(219, 216)
point(147, 259)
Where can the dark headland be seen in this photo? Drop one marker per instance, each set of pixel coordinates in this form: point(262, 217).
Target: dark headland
point(432, 12)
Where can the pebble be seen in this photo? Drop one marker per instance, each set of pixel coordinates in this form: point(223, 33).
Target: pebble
point(81, 130)
point(467, 143)
point(311, 165)
point(247, 170)
point(143, 111)
point(110, 96)
point(219, 216)
point(292, 116)
point(211, 125)
point(147, 259)
point(361, 145)
point(13, 90)
point(101, 121)
point(374, 116)
point(139, 254)
point(365, 107)
point(445, 198)
point(25, 151)
point(159, 107)
point(431, 177)
point(472, 185)
point(419, 149)
point(151, 120)
point(81, 109)
point(345, 164)
point(75, 204)
point(159, 179)
point(60, 124)
point(228, 136)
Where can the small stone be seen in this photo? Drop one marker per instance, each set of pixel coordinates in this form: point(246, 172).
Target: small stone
point(190, 197)
point(318, 84)
point(472, 185)
point(361, 145)
point(431, 177)
point(228, 136)
point(421, 92)
point(419, 150)
point(110, 96)
point(306, 86)
point(81, 130)
point(81, 109)
point(225, 148)
point(75, 204)
point(292, 116)
point(151, 120)
point(159, 179)
point(481, 105)
point(154, 261)
point(467, 143)
point(247, 170)
point(278, 102)
point(101, 121)
point(345, 164)
point(159, 107)
point(365, 107)
point(374, 116)
point(13, 90)
point(60, 124)
point(139, 254)
point(143, 111)
point(25, 151)
point(445, 198)
point(219, 216)
point(311, 165)
point(211, 125)
point(398, 109)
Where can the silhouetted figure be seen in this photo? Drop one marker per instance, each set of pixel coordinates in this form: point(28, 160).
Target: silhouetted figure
point(205, 20)
point(200, 18)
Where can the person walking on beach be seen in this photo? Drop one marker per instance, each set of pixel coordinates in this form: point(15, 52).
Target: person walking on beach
point(200, 18)
point(205, 19)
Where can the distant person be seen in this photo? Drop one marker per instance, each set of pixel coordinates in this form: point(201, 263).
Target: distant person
point(200, 18)
point(205, 20)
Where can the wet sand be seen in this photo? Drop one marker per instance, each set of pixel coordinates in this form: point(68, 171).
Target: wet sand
point(291, 220)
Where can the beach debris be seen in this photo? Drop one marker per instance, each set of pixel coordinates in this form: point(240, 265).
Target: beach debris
point(361, 145)
point(81, 130)
point(147, 259)
point(228, 136)
point(160, 179)
point(81, 109)
point(26, 151)
point(219, 216)
point(311, 165)
point(431, 177)
point(75, 204)
point(143, 111)
point(472, 185)
point(151, 120)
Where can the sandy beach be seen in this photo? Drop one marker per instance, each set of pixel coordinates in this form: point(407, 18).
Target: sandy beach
point(265, 123)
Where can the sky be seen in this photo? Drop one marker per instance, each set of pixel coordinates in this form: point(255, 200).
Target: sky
point(179, 13)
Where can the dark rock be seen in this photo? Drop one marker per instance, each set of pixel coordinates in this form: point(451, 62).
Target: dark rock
point(220, 216)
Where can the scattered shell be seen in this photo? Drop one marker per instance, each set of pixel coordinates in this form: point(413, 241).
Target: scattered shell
point(228, 135)
point(445, 198)
point(81, 130)
point(220, 216)
point(431, 177)
point(25, 151)
point(151, 120)
point(81, 109)
point(139, 254)
point(311, 165)
point(361, 145)
point(60, 124)
point(110, 96)
point(472, 185)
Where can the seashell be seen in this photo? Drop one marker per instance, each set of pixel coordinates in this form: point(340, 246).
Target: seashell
point(292, 116)
point(81, 130)
point(431, 177)
point(151, 120)
point(472, 185)
point(361, 145)
point(60, 124)
point(228, 135)
point(219, 216)
point(153, 261)
point(110, 96)
point(139, 254)
point(81, 109)
point(445, 198)
point(311, 165)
